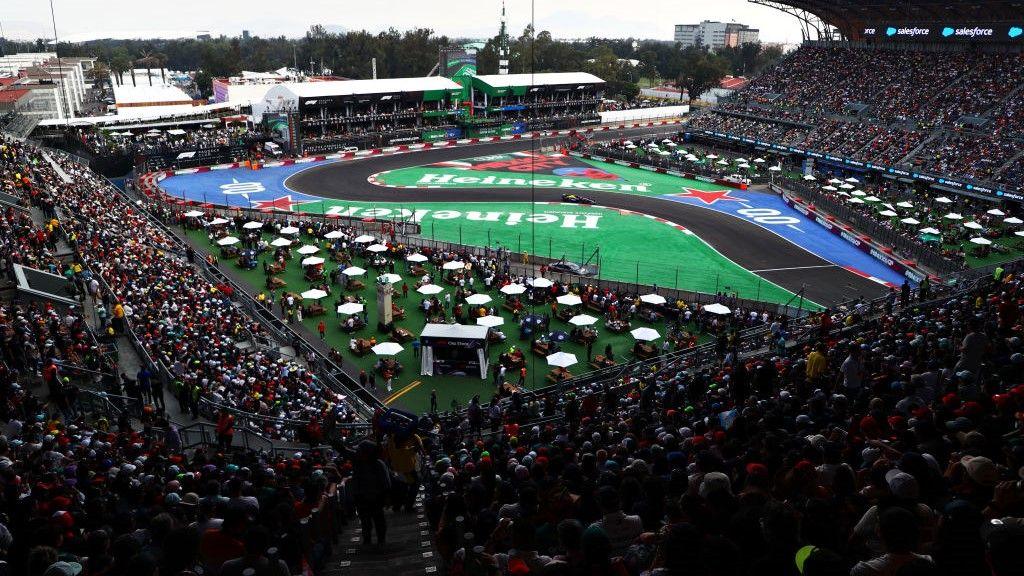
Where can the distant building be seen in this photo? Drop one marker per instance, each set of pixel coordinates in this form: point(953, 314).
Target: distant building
point(245, 35)
point(47, 87)
point(715, 35)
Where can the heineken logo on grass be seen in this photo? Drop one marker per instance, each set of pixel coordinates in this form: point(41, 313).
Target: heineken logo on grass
point(432, 179)
point(585, 220)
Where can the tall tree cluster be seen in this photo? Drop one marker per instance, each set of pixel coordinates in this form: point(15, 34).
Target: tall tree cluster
point(622, 62)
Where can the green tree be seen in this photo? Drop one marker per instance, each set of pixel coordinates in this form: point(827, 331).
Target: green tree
point(701, 71)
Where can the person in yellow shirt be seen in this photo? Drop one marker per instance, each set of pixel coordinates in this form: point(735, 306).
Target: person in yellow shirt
point(402, 454)
point(816, 364)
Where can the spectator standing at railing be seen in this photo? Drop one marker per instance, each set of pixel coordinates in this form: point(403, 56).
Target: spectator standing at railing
point(225, 429)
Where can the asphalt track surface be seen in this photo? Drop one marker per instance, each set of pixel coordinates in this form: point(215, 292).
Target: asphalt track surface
point(749, 245)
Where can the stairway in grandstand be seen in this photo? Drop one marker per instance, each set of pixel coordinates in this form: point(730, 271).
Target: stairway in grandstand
point(408, 552)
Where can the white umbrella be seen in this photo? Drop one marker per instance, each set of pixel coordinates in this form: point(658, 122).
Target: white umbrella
point(416, 258)
point(858, 192)
point(1019, 233)
point(856, 201)
point(353, 271)
point(312, 261)
point(350, 308)
point(228, 241)
point(953, 216)
point(929, 230)
point(653, 299)
point(375, 248)
point(981, 241)
point(490, 321)
point(759, 160)
point(478, 299)
point(513, 289)
point(829, 188)
point(192, 214)
point(887, 213)
point(218, 222)
point(911, 221)
point(973, 225)
point(314, 294)
point(582, 320)
point(843, 193)
point(562, 359)
point(387, 348)
point(943, 200)
point(834, 181)
point(542, 283)
point(430, 289)
point(1012, 220)
point(775, 169)
point(289, 230)
point(717, 308)
point(645, 334)
point(743, 166)
point(254, 225)
point(996, 212)
point(740, 160)
point(809, 177)
point(389, 278)
point(711, 156)
point(334, 234)
point(904, 204)
point(889, 206)
point(279, 242)
point(846, 186)
point(453, 265)
point(722, 162)
point(569, 300)
point(872, 199)
point(364, 239)
point(852, 179)
point(308, 249)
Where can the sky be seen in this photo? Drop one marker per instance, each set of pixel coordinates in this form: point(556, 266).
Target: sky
point(89, 19)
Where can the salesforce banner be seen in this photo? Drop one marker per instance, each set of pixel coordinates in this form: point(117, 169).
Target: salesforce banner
point(945, 32)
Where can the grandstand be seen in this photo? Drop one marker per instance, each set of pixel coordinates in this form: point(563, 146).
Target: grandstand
point(327, 116)
point(512, 103)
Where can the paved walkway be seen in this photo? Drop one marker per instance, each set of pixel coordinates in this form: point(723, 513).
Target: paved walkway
point(408, 551)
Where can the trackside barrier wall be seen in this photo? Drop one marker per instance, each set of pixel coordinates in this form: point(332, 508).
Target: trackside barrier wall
point(661, 166)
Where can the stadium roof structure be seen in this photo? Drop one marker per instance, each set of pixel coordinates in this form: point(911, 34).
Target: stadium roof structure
point(540, 79)
point(850, 17)
point(498, 85)
point(367, 87)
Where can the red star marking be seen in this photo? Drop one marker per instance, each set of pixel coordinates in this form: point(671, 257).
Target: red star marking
point(284, 203)
point(707, 196)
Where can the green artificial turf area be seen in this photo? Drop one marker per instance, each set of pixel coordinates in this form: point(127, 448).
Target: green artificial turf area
point(412, 391)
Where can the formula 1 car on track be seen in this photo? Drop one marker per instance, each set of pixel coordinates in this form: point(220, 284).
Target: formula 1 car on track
point(576, 199)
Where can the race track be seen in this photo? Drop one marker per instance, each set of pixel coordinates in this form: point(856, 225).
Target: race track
point(751, 246)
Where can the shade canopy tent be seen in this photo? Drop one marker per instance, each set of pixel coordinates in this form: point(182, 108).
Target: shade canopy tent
point(453, 350)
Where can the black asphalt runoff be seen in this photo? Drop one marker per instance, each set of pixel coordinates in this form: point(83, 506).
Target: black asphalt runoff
point(747, 244)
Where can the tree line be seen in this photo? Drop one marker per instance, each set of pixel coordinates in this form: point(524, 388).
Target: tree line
point(414, 53)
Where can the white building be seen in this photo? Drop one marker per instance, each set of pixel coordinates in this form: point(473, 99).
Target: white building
point(715, 35)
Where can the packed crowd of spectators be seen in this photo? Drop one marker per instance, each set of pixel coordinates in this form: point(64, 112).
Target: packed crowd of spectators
point(879, 105)
point(187, 325)
point(888, 444)
point(157, 141)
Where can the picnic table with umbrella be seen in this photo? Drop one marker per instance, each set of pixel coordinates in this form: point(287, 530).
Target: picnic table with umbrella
point(389, 278)
point(289, 230)
point(943, 200)
point(416, 258)
point(532, 323)
point(364, 239)
point(307, 249)
point(643, 336)
point(973, 225)
point(453, 265)
point(312, 261)
point(953, 216)
point(253, 225)
point(716, 308)
point(192, 214)
point(387, 348)
point(582, 320)
point(560, 361)
point(904, 204)
point(911, 221)
point(995, 212)
point(654, 299)
point(228, 241)
point(314, 294)
point(350, 308)
point(281, 242)
point(981, 241)
point(1012, 220)
point(334, 234)
point(887, 213)
point(542, 283)
point(478, 299)
point(430, 289)
point(512, 289)
point(569, 300)
point(376, 248)
point(490, 321)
